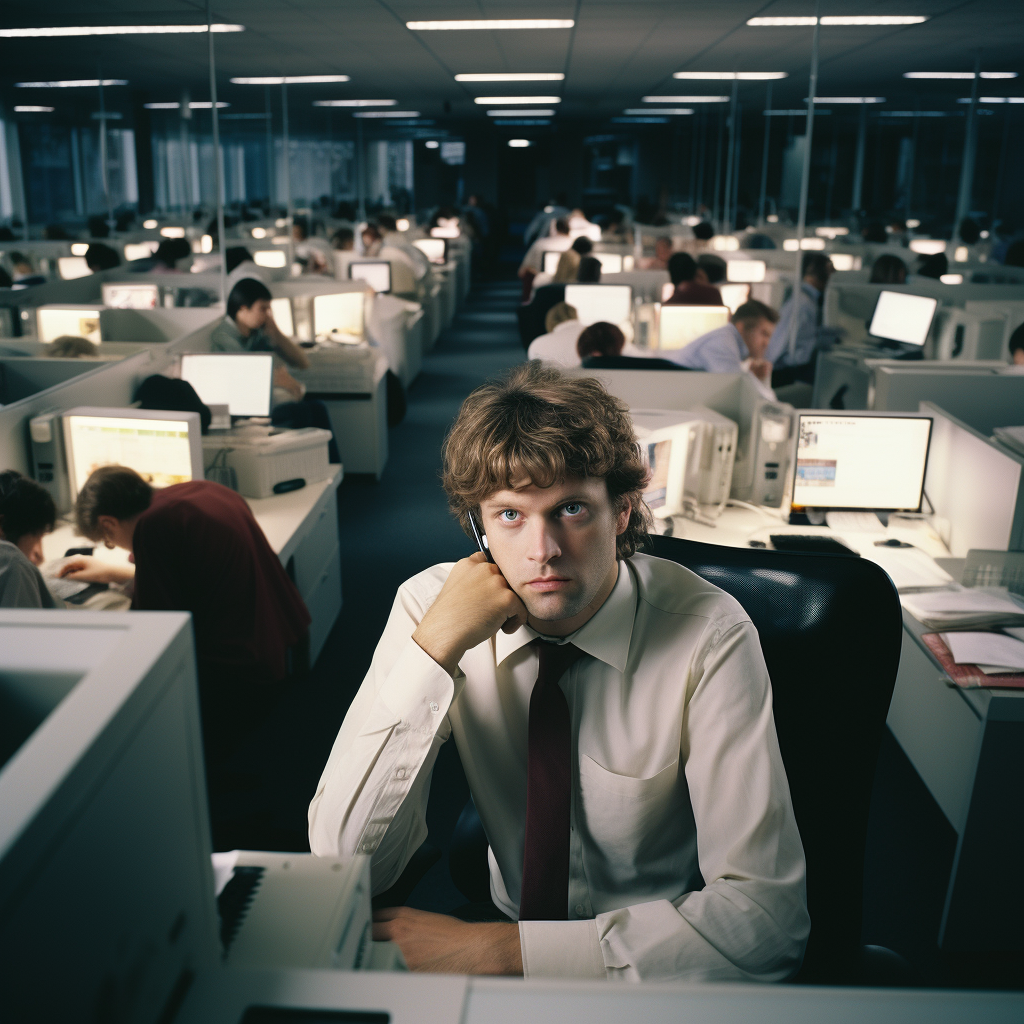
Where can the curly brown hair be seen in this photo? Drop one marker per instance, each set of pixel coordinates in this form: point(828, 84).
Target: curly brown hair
point(543, 425)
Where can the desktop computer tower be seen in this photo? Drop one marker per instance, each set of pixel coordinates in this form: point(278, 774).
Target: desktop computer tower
point(762, 466)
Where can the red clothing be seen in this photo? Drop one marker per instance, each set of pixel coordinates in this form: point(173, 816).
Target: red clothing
point(692, 293)
point(199, 549)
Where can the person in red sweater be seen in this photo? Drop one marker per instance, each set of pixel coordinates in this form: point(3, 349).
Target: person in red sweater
point(682, 269)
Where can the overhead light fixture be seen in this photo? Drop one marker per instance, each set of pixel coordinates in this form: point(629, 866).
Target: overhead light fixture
point(172, 232)
point(661, 110)
point(355, 103)
point(514, 76)
point(847, 99)
point(489, 24)
point(115, 30)
point(518, 143)
point(76, 83)
point(387, 113)
point(511, 100)
point(639, 120)
point(520, 113)
point(993, 99)
point(969, 75)
point(432, 144)
point(686, 99)
point(195, 105)
point(730, 76)
point(33, 110)
point(867, 19)
point(291, 80)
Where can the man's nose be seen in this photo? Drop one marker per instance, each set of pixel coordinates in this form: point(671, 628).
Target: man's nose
point(543, 544)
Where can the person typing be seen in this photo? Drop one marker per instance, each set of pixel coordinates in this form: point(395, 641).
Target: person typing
point(612, 711)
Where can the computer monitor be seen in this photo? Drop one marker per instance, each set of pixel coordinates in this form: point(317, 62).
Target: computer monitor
point(673, 455)
point(551, 258)
point(902, 317)
point(281, 311)
point(611, 262)
point(745, 271)
point(54, 322)
point(845, 261)
point(435, 249)
point(338, 317)
point(131, 296)
point(139, 250)
point(610, 303)
point(446, 231)
point(163, 447)
point(680, 325)
point(376, 273)
point(70, 267)
point(273, 258)
point(734, 295)
point(243, 381)
point(856, 460)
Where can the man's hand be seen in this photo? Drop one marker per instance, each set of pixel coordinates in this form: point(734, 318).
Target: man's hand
point(762, 370)
point(445, 945)
point(90, 569)
point(474, 603)
point(283, 379)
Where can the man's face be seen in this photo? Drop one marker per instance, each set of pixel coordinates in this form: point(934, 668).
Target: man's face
point(556, 548)
point(253, 317)
point(662, 250)
point(756, 334)
point(31, 546)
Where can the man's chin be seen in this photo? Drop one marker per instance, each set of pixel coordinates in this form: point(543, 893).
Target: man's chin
point(552, 607)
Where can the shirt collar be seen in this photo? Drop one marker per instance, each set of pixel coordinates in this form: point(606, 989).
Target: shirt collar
point(606, 636)
point(809, 289)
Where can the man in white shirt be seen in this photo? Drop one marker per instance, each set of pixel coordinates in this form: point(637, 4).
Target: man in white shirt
point(612, 711)
point(558, 241)
point(559, 344)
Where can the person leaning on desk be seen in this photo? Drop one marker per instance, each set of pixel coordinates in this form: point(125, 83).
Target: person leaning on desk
point(612, 711)
point(27, 513)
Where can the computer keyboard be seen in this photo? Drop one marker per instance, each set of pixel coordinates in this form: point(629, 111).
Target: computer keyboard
point(813, 543)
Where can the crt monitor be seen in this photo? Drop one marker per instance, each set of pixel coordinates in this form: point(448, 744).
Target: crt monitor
point(70, 267)
point(856, 460)
point(131, 296)
point(901, 317)
point(680, 325)
point(338, 317)
point(281, 311)
point(745, 271)
point(435, 249)
point(376, 273)
point(242, 381)
point(54, 322)
point(163, 447)
point(608, 303)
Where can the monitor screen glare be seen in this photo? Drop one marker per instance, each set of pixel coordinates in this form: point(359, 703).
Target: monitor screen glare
point(281, 311)
point(240, 381)
point(551, 258)
point(131, 296)
point(432, 248)
point(734, 295)
point(270, 258)
point(745, 271)
point(339, 317)
point(70, 267)
point(861, 462)
point(902, 317)
point(139, 250)
point(607, 303)
point(611, 262)
point(680, 325)
point(376, 273)
point(78, 323)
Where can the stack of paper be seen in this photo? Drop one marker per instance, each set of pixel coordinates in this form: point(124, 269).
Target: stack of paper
point(963, 609)
point(1010, 437)
point(991, 652)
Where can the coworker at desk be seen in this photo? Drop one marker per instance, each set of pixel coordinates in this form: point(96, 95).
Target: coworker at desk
point(888, 269)
point(600, 348)
point(711, 269)
point(565, 270)
point(682, 269)
point(739, 345)
point(559, 344)
point(533, 261)
point(647, 737)
point(343, 240)
point(26, 513)
point(532, 315)
point(24, 276)
point(797, 357)
point(662, 254)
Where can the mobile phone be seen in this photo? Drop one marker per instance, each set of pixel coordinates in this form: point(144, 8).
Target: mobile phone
point(481, 540)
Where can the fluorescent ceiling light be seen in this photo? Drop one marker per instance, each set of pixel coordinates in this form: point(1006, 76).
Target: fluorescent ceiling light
point(387, 113)
point(661, 110)
point(432, 144)
point(994, 99)
point(686, 99)
point(490, 23)
point(870, 19)
point(520, 113)
point(114, 30)
point(959, 74)
point(355, 103)
point(77, 83)
point(518, 143)
point(730, 76)
point(194, 105)
point(33, 110)
point(498, 100)
point(528, 76)
point(291, 80)
point(847, 99)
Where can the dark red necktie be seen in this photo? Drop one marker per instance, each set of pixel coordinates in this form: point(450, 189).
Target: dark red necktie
point(545, 891)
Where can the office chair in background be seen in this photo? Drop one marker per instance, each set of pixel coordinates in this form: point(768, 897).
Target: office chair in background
point(831, 632)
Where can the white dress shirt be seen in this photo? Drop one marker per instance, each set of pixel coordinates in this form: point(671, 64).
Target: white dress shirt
point(559, 346)
point(685, 859)
point(807, 331)
point(534, 258)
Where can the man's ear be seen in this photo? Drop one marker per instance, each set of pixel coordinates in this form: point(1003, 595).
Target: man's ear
point(622, 520)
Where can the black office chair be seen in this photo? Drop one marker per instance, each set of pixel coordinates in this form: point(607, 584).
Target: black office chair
point(831, 632)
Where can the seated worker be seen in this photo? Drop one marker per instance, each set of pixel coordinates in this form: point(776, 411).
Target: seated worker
point(682, 270)
point(662, 253)
point(565, 271)
point(372, 239)
point(559, 344)
point(701, 241)
point(343, 240)
point(888, 269)
point(533, 261)
point(739, 345)
point(600, 347)
point(635, 800)
point(532, 315)
point(933, 265)
point(67, 346)
point(26, 513)
point(24, 276)
point(312, 254)
point(711, 269)
point(197, 548)
point(582, 245)
point(797, 355)
point(101, 257)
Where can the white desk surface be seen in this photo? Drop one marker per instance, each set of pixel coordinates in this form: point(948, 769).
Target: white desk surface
point(279, 516)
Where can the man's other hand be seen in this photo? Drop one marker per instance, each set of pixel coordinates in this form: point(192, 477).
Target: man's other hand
point(440, 944)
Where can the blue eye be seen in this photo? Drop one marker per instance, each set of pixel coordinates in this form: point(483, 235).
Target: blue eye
point(574, 508)
point(508, 515)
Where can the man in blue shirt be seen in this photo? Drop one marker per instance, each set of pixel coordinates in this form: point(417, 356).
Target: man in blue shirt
point(739, 345)
point(808, 335)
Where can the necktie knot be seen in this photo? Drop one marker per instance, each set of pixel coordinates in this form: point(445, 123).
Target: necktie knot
point(555, 660)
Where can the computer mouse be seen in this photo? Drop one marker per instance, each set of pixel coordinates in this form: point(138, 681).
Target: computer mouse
point(892, 542)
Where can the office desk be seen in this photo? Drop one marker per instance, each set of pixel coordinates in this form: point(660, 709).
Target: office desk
point(302, 529)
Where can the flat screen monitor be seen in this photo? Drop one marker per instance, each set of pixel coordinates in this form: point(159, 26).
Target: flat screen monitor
point(608, 303)
point(274, 258)
point(860, 461)
point(163, 447)
point(131, 296)
point(435, 249)
point(376, 273)
point(611, 262)
point(70, 267)
point(281, 311)
point(681, 325)
point(845, 261)
point(242, 381)
point(745, 271)
point(551, 258)
point(901, 317)
point(140, 250)
point(734, 295)
point(446, 231)
point(79, 322)
point(338, 317)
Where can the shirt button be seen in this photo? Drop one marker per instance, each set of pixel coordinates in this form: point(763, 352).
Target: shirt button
point(579, 909)
point(433, 706)
point(400, 774)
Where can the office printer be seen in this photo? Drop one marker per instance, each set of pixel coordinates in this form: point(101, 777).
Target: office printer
point(259, 461)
